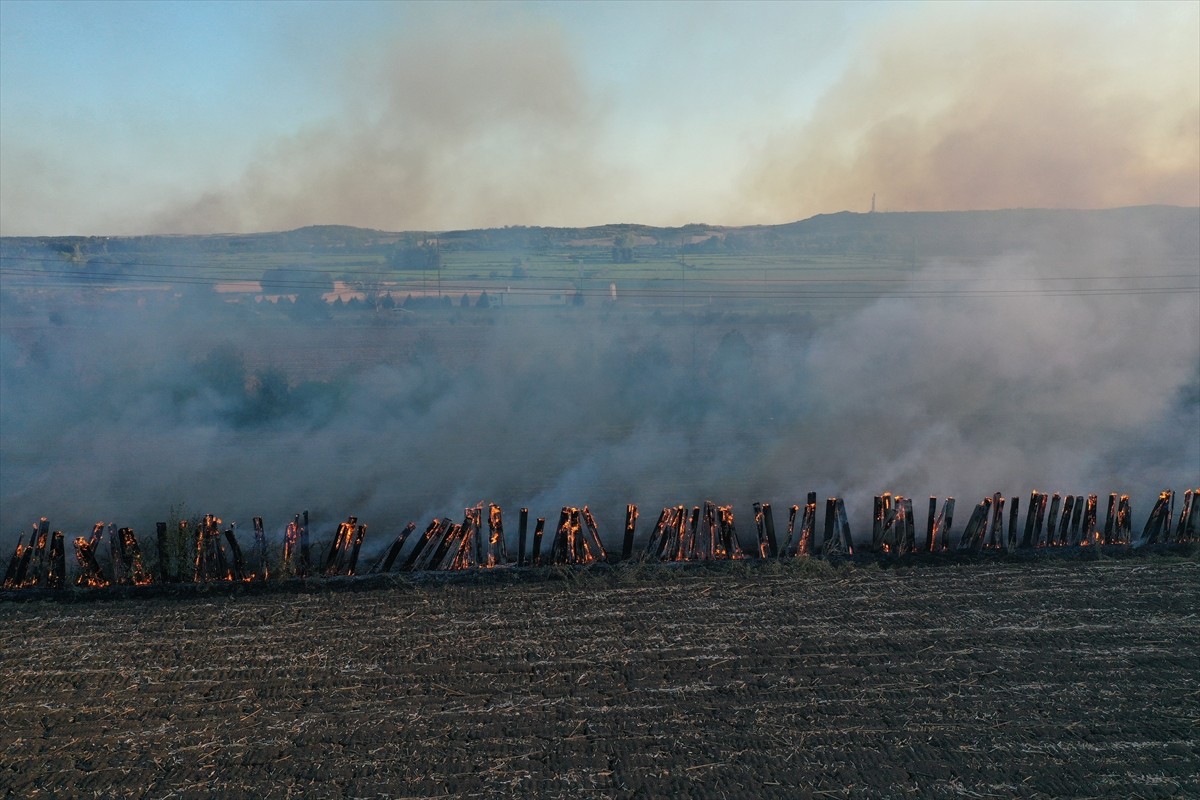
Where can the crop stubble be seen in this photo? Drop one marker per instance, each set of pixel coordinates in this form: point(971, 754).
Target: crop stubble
point(1067, 679)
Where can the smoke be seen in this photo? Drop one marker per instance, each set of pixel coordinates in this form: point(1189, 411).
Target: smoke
point(438, 120)
point(120, 413)
point(979, 106)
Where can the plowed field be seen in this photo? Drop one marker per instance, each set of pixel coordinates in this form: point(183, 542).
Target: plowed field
point(1054, 679)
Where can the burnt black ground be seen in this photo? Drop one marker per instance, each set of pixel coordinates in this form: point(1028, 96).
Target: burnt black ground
point(1045, 678)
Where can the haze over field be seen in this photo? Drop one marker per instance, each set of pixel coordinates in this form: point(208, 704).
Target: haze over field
point(124, 118)
point(1068, 362)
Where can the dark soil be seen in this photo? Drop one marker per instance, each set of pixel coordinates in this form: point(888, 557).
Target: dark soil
point(1040, 679)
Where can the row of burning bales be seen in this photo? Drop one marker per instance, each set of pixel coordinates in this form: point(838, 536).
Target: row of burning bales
point(705, 533)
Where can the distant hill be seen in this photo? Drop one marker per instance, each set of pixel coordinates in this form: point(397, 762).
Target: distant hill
point(1173, 230)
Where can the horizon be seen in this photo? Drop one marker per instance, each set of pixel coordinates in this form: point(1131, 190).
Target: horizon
point(602, 225)
point(176, 118)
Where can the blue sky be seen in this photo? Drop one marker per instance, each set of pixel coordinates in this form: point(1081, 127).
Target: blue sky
point(136, 117)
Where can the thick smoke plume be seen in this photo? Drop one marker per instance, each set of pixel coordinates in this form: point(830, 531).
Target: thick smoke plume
point(486, 123)
point(119, 415)
point(980, 106)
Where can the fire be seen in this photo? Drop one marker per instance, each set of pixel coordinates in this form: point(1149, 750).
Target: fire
point(681, 534)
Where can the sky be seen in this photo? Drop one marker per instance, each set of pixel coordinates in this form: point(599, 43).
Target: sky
point(176, 117)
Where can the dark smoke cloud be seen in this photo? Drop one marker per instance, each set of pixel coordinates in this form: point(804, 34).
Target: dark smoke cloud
point(119, 415)
point(440, 120)
point(999, 106)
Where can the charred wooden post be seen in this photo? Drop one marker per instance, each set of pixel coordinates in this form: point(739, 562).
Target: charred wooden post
point(708, 530)
point(474, 518)
point(388, 557)
point(929, 517)
point(805, 546)
point(1064, 522)
point(197, 547)
point(561, 548)
point(682, 547)
point(729, 534)
point(909, 542)
point(120, 570)
point(23, 576)
point(478, 544)
point(457, 539)
point(1029, 537)
point(712, 536)
point(830, 523)
point(843, 542)
point(1154, 523)
point(443, 540)
point(14, 563)
point(30, 559)
point(522, 530)
point(37, 570)
point(260, 549)
point(1013, 514)
point(131, 554)
point(360, 533)
point(1052, 518)
point(695, 548)
point(305, 554)
point(421, 544)
point(670, 544)
point(1124, 523)
point(497, 547)
point(888, 524)
point(1039, 519)
point(1033, 519)
point(1090, 531)
point(538, 527)
point(1188, 529)
point(224, 569)
point(973, 534)
point(995, 535)
point(466, 542)
point(1077, 517)
point(584, 553)
point(347, 548)
point(90, 575)
point(769, 520)
point(594, 533)
point(291, 546)
point(335, 547)
point(631, 517)
point(657, 541)
point(940, 536)
point(56, 574)
point(461, 547)
point(760, 527)
point(1110, 519)
point(788, 547)
point(237, 564)
point(666, 545)
point(878, 516)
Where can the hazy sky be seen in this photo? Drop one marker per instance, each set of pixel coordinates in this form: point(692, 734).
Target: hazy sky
point(123, 118)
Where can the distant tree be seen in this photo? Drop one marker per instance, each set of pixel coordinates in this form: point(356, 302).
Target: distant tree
point(622, 250)
point(484, 301)
point(465, 302)
point(415, 254)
